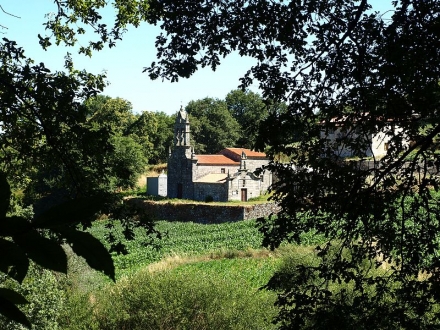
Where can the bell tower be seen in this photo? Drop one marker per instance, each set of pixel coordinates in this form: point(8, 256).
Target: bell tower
point(180, 160)
point(181, 129)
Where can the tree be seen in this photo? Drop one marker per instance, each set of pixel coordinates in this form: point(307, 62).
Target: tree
point(144, 130)
point(333, 61)
point(337, 62)
point(50, 150)
point(131, 134)
point(115, 113)
point(213, 127)
point(249, 111)
point(163, 138)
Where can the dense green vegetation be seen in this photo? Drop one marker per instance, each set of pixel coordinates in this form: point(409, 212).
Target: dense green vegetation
point(198, 277)
point(336, 63)
point(232, 122)
point(204, 295)
point(182, 239)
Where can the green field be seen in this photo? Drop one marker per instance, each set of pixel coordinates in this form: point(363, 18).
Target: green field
point(196, 277)
point(183, 239)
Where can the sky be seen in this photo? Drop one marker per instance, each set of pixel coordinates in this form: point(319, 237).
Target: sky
point(124, 63)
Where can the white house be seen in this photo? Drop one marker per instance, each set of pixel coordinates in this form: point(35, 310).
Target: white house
point(341, 133)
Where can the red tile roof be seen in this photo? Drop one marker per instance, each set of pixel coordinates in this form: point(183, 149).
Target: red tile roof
point(248, 152)
point(215, 160)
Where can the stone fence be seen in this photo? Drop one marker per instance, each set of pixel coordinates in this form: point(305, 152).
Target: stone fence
point(203, 212)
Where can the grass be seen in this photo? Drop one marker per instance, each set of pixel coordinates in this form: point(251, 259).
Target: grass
point(183, 239)
point(203, 295)
point(252, 201)
point(202, 277)
point(190, 240)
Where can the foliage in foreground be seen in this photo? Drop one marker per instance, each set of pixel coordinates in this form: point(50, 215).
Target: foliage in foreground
point(345, 305)
point(59, 163)
point(216, 267)
point(38, 240)
point(348, 73)
point(46, 295)
point(336, 63)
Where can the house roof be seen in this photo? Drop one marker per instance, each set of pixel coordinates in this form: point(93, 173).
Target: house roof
point(249, 153)
point(213, 178)
point(344, 119)
point(215, 160)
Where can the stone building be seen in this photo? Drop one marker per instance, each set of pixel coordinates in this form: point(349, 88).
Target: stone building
point(157, 185)
point(229, 175)
point(341, 132)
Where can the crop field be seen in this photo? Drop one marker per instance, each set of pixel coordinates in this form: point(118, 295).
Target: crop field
point(197, 276)
point(184, 240)
point(190, 240)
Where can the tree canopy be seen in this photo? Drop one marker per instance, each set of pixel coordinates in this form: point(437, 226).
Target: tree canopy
point(54, 158)
point(137, 139)
point(232, 122)
point(249, 111)
point(212, 126)
point(335, 63)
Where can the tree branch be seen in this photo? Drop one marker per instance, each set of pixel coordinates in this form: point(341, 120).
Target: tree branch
point(9, 13)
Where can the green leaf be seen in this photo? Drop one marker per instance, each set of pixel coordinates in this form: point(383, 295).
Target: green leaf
point(43, 251)
point(12, 296)
point(91, 249)
point(11, 226)
point(13, 260)
point(71, 212)
point(10, 311)
point(5, 195)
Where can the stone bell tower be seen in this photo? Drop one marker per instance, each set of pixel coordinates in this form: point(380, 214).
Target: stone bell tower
point(179, 174)
point(181, 129)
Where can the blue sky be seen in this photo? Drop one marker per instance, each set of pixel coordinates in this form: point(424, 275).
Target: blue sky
point(124, 63)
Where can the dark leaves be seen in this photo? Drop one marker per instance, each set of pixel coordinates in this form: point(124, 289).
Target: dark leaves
point(91, 249)
point(5, 195)
point(73, 212)
point(357, 82)
point(8, 301)
point(41, 250)
point(13, 260)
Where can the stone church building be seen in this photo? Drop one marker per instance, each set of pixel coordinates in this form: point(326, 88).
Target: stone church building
point(228, 175)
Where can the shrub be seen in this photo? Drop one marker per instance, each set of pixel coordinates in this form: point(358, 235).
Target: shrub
point(348, 307)
point(185, 299)
point(78, 312)
point(16, 208)
point(79, 284)
point(46, 299)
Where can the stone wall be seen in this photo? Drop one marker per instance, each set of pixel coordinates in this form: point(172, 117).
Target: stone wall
point(260, 210)
point(203, 212)
point(253, 164)
point(202, 170)
point(218, 191)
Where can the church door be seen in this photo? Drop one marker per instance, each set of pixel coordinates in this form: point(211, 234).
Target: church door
point(179, 190)
point(244, 195)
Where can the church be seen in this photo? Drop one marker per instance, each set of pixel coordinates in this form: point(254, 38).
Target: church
point(226, 176)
